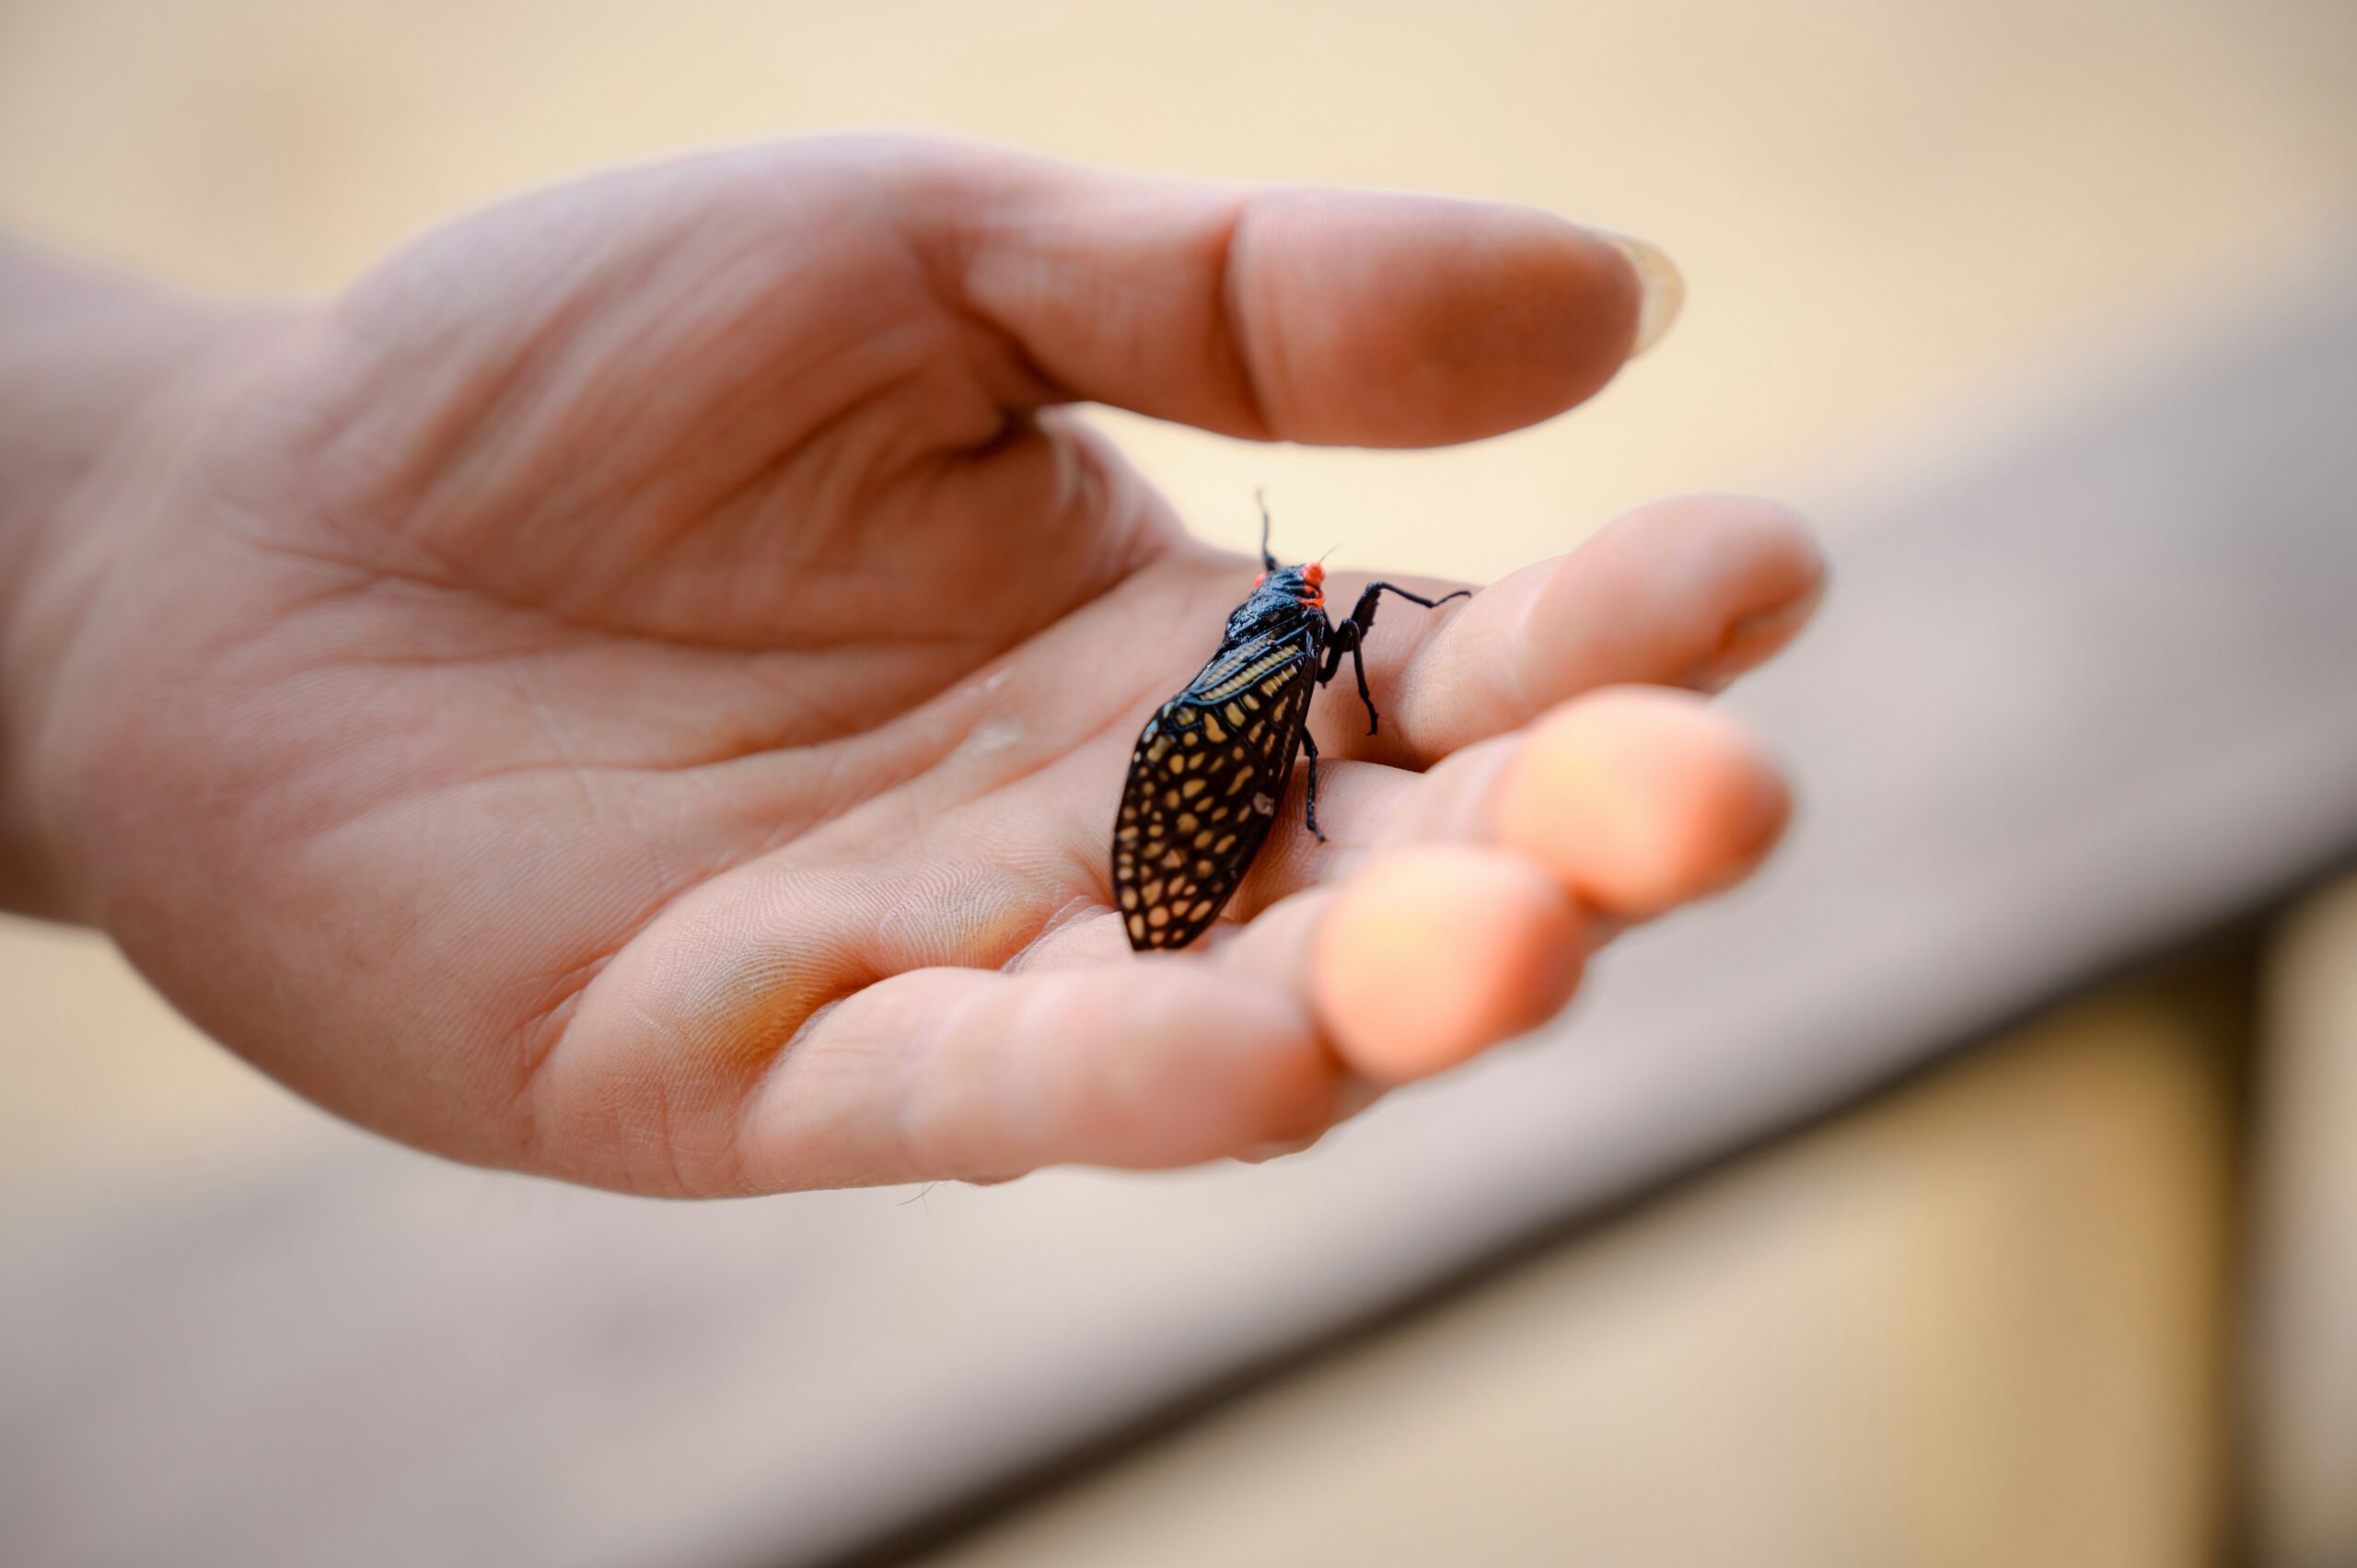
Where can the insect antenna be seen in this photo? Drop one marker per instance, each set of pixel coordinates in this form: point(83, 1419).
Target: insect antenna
point(1260, 494)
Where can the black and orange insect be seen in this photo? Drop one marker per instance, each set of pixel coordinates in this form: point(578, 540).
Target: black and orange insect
point(1212, 765)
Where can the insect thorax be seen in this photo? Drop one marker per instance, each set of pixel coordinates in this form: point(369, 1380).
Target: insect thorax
point(1275, 612)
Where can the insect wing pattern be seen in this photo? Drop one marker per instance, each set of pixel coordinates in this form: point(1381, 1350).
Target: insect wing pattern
point(1205, 784)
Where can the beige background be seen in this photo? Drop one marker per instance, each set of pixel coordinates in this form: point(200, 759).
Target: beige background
point(1891, 216)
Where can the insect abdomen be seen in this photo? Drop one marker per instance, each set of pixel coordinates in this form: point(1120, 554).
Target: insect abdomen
point(1205, 781)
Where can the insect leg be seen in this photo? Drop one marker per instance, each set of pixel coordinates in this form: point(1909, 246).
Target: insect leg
point(1267, 561)
point(1363, 612)
point(1358, 668)
point(1309, 745)
point(1351, 634)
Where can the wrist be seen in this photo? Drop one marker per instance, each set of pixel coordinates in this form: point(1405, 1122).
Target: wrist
point(89, 362)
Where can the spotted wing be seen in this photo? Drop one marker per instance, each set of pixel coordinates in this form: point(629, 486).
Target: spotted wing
point(1205, 784)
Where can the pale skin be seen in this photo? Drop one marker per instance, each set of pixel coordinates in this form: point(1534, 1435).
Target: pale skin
point(636, 689)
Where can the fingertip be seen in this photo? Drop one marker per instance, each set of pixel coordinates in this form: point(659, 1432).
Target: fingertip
point(1765, 571)
point(1641, 798)
point(1435, 953)
point(1690, 591)
point(1413, 320)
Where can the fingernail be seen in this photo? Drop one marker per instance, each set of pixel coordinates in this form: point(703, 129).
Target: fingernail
point(1664, 291)
point(1268, 1152)
point(1751, 640)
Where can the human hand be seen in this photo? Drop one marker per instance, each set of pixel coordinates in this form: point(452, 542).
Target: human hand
point(637, 689)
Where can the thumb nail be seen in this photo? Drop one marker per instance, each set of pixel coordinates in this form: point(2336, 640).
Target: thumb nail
point(1664, 291)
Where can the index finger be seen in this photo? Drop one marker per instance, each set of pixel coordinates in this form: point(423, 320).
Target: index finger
point(1690, 592)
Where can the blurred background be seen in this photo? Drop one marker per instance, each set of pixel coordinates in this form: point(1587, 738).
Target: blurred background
point(2006, 1298)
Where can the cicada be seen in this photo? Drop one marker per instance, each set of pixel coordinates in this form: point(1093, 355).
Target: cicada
point(1212, 765)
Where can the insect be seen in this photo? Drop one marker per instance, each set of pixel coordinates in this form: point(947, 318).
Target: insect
point(1212, 763)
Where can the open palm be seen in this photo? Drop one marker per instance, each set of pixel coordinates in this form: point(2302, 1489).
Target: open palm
point(638, 688)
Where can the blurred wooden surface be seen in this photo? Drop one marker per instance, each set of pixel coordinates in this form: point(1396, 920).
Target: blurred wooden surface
point(2301, 1340)
point(1982, 1323)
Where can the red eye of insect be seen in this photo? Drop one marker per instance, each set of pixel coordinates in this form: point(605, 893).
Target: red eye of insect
point(1258, 580)
point(1314, 575)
